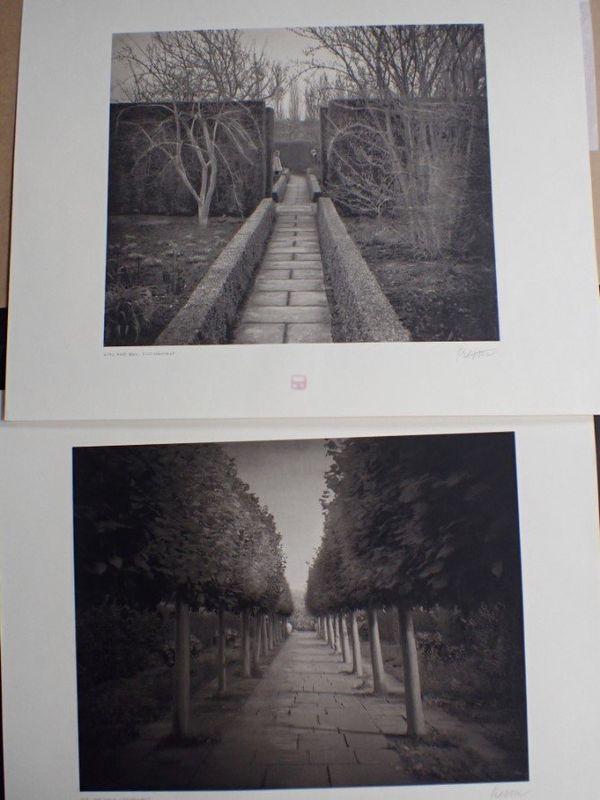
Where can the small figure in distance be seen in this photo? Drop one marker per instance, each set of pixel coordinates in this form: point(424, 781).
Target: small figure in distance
point(277, 165)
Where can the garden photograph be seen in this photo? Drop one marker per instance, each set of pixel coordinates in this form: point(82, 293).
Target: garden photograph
point(306, 185)
point(290, 614)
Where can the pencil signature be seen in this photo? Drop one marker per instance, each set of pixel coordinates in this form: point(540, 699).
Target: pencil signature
point(508, 794)
point(471, 354)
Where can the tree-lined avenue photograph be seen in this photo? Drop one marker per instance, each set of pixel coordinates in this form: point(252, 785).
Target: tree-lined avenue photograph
point(288, 614)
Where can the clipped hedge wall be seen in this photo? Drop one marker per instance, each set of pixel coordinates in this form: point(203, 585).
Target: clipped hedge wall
point(280, 186)
point(363, 313)
point(209, 314)
point(314, 187)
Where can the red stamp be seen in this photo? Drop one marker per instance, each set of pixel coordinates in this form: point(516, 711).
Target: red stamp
point(298, 382)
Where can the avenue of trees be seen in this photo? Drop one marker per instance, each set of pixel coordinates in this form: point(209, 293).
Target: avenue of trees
point(198, 84)
point(408, 135)
point(175, 526)
point(416, 522)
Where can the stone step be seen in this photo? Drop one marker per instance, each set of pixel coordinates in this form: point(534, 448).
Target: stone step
point(306, 332)
point(268, 285)
point(270, 314)
point(307, 274)
point(306, 298)
point(260, 334)
point(271, 298)
point(293, 264)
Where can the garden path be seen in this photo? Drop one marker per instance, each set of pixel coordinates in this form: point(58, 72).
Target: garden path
point(308, 723)
point(288, 302)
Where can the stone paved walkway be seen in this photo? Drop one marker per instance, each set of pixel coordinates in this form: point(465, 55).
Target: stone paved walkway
point(308, 723)
point(288, 301)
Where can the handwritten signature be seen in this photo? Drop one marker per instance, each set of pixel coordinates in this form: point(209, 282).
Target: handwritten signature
point(471, 354)
point(507, 794)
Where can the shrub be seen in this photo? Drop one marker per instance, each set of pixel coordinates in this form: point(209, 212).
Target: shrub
point(126, 313)
point(115, 641)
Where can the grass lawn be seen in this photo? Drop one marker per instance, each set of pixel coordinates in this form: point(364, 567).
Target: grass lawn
point(445, 300)
point(153, 265)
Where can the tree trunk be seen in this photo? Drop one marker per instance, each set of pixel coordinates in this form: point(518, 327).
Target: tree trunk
point(203, 210)
point(181, 712)
point(357, 668)
point(256, 652)
point(277, 628)
point(344, 639)
point(330, 632)
point(376, 656)
point(270, 632)
point(265, 642)
point(246, 656)
point(412, 682)
point(221, 663)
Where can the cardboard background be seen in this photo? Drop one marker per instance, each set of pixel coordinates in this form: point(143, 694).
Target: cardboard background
point(595, 154)
point(10, 26)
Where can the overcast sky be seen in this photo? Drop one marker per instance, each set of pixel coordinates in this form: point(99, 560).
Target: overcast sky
point(288, 477)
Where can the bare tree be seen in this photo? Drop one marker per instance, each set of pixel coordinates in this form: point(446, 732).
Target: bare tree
point(198, 83)
point(406, 123)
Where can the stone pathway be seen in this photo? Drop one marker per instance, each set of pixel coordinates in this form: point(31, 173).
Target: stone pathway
point(288, 301)
point(307, 724)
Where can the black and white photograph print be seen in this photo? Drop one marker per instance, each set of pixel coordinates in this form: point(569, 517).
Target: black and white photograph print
point(327, 184)
point(310, 613)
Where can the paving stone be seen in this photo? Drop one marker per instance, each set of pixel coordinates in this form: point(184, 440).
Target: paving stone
point(333, 755)
point(307, 274)
point(384, 708)
point(316, 740)
point(308, 333)
point(295, 252)
point(296, 243)
point(259, 334)
point(307, 255)
point(272, 756)
point(291, 263)
point(297, 718)
point(369, 741)
point(307, 299)
point(269, 299)
point(390, 725)
point(285, 314)
point(307, 697)
point(351, 720)
point(268, 285)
